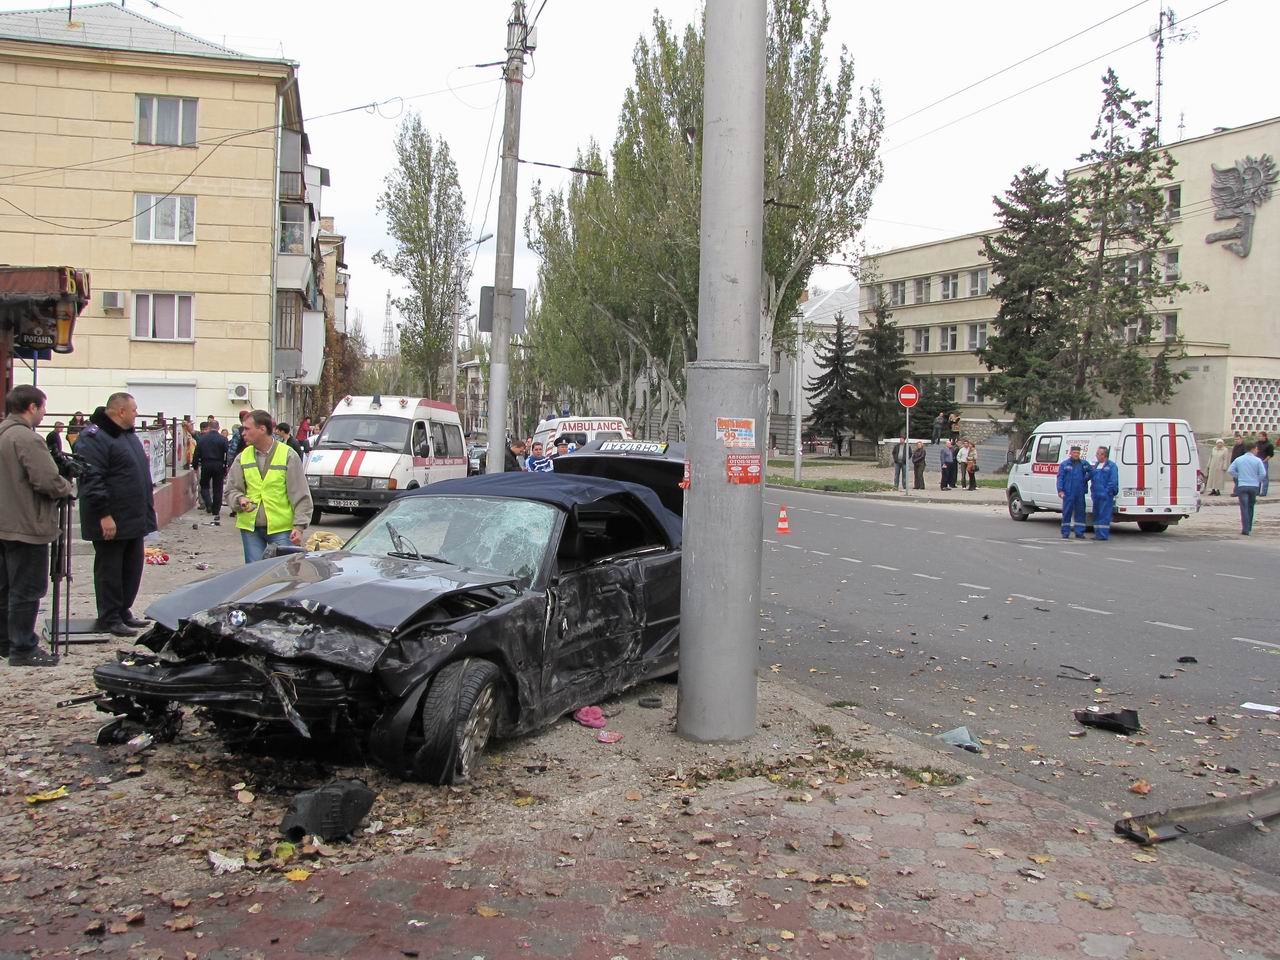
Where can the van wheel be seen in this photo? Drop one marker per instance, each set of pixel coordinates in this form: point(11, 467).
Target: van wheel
point(315, 516)
point(1152, 526)
point(1017, 509)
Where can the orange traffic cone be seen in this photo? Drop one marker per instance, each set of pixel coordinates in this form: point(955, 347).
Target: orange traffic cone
point(784, 524)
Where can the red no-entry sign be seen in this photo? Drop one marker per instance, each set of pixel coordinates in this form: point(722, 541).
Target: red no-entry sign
point(908, 395)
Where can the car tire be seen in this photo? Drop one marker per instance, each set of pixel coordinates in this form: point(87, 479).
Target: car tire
point(315, 515)
point(1017, 508)
point(1152, 526)
point(458, 714)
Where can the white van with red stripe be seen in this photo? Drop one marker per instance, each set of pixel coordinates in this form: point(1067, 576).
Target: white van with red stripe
point(373, 448)
point(1157, 459)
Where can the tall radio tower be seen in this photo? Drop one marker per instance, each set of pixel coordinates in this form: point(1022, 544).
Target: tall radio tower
point(388, 332)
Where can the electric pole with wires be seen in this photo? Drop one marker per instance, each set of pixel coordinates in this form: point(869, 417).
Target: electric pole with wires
point(518, 37)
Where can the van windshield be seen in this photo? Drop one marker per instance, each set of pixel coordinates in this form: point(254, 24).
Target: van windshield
point(364, 431)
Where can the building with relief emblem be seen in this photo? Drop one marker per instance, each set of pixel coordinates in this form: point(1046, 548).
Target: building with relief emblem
point(1224, 219)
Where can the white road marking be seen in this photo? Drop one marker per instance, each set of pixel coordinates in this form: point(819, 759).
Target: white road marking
point(1170, 567)
point(974, 586)
point(1258, 643)
point(820, 553)
point(962, 536)
point(925, 576)
point(938, 533)
point(883, 524)
point(1119, 560)
point(792, 546)
point(767, 540)
point(1030, 546)
point(910, 528)
point(851, 559)
point(1171, 626)
point(1023, 596)
point(1233, 576)
point(862, 520)
point(881, 566)
point(1074, 553)
point(1105, 613)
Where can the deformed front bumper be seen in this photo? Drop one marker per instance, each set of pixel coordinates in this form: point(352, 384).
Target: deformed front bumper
point(275, 691)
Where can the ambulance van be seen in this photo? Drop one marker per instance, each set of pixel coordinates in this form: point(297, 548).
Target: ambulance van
point(581, 430)
point(372, 448)
point(1157, 460)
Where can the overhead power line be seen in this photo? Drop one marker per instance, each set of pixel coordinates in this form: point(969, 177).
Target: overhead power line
point(1002, 70)
point(1034, 86)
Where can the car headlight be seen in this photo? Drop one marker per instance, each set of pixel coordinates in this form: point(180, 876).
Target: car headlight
point(380, 483)
point(313, 480)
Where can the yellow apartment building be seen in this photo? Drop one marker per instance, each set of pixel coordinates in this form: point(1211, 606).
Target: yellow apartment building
point(175, 171)
point(938, 292)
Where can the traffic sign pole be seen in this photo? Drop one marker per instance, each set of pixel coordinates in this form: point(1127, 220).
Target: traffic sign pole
point(908, 396)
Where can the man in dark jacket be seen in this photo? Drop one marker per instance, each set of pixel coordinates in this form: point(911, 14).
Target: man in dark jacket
point(117, 510)
point(515, 457)
point(211, 461)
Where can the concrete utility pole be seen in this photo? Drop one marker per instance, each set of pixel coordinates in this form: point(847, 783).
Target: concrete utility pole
point(727, 384)
point(504, 272)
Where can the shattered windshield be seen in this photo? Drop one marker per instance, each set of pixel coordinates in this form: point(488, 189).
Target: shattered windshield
point(365, 431)
point(506, 537)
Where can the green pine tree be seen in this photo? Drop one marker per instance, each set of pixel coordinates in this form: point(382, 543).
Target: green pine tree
point(880, 368)
point(831, 391)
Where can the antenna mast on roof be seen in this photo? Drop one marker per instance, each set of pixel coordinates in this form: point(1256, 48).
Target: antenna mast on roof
point(388, 331)
point(1166, 30)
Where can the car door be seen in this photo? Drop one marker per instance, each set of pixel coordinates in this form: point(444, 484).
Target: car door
point(595, 629)
point(1175, 466)
point(1044, 471)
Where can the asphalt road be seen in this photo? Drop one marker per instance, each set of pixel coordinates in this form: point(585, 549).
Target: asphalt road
point(930, 617)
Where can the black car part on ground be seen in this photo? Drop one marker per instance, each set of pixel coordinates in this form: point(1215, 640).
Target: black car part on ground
point(330, 812)
point(1163, 825)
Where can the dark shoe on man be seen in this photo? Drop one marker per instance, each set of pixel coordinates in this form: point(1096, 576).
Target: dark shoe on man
point(32, 657)
point(129, 620)
point(115, 627)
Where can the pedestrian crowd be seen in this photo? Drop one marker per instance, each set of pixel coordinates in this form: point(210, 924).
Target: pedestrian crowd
point(958, 462)
point(529, 456)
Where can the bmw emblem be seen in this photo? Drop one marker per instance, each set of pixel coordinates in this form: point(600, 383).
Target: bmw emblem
point(237, 618)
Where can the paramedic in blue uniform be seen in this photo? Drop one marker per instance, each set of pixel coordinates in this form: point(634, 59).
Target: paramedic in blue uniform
point(1073, 481)
point(1104, 487)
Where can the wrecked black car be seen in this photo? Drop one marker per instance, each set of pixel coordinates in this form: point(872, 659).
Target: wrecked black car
point(478, 607)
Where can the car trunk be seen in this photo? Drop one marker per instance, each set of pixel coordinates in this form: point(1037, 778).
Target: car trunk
point(658, 466)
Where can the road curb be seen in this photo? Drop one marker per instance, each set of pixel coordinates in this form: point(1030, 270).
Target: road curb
point(890, 497)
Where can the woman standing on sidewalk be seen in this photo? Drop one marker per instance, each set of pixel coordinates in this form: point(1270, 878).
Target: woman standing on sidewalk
point(917, 464)
point(1218, 464)
point(962, 464)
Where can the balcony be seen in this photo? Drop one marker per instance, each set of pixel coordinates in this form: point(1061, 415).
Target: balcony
point(291, 185)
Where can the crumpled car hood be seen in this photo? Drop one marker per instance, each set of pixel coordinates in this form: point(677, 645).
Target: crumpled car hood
point(380, 593)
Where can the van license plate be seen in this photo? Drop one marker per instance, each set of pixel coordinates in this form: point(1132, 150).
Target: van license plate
point(344, 503)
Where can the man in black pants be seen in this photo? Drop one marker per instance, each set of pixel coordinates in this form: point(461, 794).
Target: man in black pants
point(211, 460)
point(30, 488)
point(117, 510)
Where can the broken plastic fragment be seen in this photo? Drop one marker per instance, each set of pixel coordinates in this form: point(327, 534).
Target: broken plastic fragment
point(1121, 721)
point(592, 717)
point(960, 737)
point(224, 864)
point(46, 796)
point(328, 812)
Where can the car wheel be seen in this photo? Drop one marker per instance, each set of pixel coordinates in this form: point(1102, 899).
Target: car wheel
point(315, 516)
point(1152, 526)
point(458, 715)
point(1017, 509)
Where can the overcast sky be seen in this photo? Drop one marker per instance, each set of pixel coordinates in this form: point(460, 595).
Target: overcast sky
point(937, 183)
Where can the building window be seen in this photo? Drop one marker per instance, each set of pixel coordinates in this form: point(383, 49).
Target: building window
point(777, 361)
point(922, 340)
point(949, 338)
point(288, 322)
point(293, 228)
point(1137, 268)
point(1169, 324)
point(164, 219)
point(166, 120)
point(973, 389)
point(977, 336)
point(1173, 203)
point(948, 387)
point(922, 289)
point(902, 341)
point(978, 282)
point(950, 286)
point(1172, 270)
point(898, 293)
point(163, 316)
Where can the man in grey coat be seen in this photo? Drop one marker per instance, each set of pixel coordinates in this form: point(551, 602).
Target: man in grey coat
point(30, 488)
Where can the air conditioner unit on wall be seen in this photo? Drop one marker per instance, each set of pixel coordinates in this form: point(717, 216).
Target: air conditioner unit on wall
point(238, 391)
point(112, 300)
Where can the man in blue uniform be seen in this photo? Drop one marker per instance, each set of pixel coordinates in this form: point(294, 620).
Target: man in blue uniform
point(1104, 487)
point(1073, 481)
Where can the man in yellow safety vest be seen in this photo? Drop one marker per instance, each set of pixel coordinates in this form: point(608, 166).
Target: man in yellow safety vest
point(267, 489)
